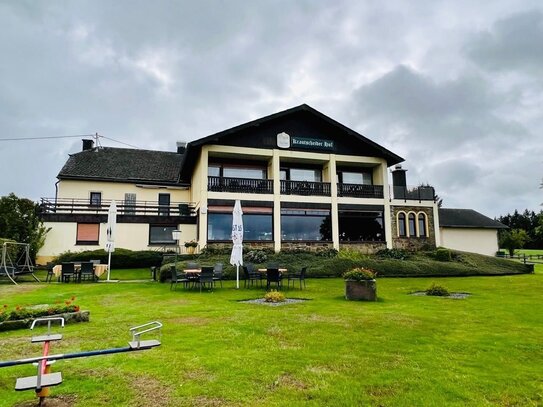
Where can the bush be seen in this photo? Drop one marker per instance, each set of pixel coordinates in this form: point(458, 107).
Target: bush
point(120, 258)
point(274, 296)
point(442, 254)
point(256, 256)
point(351, 254)
point(327, 253)
point(359, 274)
point(398, 254)
point(437, 290)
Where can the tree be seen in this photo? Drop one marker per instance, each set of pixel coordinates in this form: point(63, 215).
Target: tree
point(20, 221)
point(513, 239)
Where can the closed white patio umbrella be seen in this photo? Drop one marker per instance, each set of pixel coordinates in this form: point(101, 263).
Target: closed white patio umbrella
point(110, 233)
point(236, 258)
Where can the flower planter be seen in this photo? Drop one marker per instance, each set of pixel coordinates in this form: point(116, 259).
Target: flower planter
point(69, 317)
point(361, 290)
point(191, 249)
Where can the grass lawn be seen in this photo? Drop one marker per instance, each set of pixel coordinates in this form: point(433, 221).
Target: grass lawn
point(400, 351)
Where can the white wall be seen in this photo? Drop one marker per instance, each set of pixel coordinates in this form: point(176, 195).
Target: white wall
point(482, 241)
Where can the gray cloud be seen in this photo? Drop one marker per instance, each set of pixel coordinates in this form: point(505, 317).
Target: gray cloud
point(513, 43)
point(433, 82)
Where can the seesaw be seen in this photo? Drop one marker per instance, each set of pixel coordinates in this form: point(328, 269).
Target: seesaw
point(45, 379)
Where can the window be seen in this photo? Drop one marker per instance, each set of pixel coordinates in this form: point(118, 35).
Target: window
point(412, 225)
point(301, 174)
point(95, 198)
point(161, 234)
point(358, 178)
point(361, 226)
point(237, 171)
point(129, 204)
point(422, 224)
point(163, 204)
point(256, 227)
point(306, 225)
point(402, 232)
point(87, 234)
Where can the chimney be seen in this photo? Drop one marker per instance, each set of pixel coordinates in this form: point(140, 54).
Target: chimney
point(399, 182)
point(181, 147)
point(88, 144)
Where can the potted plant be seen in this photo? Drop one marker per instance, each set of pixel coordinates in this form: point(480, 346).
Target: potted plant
point(360, 284)
point(191, 246)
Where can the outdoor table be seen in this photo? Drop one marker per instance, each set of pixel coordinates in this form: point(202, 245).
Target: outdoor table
point(282, 271)
point(192, 271)
point(99, 269)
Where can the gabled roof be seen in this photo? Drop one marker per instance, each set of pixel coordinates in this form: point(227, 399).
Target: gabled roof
point(193, 147)
point(123, 165)
point(467, 218)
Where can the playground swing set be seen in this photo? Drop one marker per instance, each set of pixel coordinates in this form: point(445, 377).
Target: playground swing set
point(44, 378)
point(16, 261)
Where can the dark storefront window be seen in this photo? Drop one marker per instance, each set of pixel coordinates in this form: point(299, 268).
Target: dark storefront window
point(361, 226)
point(256, 227)
point(305, 225)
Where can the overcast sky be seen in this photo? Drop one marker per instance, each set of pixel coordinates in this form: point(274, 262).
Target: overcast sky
point(456, 88)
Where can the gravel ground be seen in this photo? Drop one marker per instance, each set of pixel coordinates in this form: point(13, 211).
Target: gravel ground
point(452, 295)
point(262, 301)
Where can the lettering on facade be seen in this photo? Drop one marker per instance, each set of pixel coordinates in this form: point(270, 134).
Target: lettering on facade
point(312, 143)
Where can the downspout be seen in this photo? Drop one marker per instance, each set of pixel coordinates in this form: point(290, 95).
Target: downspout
point(56, 194)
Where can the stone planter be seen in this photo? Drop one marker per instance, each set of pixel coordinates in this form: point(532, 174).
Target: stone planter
point(69, 317)
point(361, 290)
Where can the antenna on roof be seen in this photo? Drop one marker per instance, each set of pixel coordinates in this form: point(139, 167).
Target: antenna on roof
point(96, 138)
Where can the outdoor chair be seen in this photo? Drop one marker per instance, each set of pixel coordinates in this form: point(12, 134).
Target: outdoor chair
point(205, 279)
point(178, 278)
point(49, 267)
point(68, 272)
point(193, 278)
point(217, 273)
point(297, 276)
point(273, 276)
point(251, 275)
point(87, 272)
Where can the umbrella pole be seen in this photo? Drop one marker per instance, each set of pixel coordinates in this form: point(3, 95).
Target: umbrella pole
point(108, 265)
point(237, 276)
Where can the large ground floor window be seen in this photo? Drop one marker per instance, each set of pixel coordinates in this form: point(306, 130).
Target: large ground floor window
point(305, 225)
point(161, 234)
point(361, 226)
point(256, 227)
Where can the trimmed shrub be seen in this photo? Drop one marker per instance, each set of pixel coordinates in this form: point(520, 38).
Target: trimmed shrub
point(359, 274)
point(274, 296)
point(120, 258)
point(327, 253)
point(442, 254)
point(398, 254)
point(256, 256)
point(437, 290)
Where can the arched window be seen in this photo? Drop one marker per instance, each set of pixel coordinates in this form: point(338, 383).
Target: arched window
point(412, 225)
point(422, 224)
point(402, 232)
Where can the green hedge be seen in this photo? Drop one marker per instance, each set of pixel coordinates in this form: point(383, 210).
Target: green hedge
point(120, 258)
point(417, 264)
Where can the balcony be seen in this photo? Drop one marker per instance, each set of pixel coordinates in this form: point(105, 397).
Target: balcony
point(411, 193)
point(241, 185)
point(360, 191)
point(77, 206)
point(306, 188)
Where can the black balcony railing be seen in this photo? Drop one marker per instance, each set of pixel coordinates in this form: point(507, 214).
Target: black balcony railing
point(420, 193)
point(309, 188)
point(243, 185)
point(360, 191)
point(136, 208)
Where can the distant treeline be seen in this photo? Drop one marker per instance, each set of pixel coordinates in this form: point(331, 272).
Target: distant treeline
point(529, 221)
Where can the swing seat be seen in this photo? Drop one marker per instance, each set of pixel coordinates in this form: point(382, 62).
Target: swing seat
point(45, 338)
point(134, 345)
point(31, 382)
